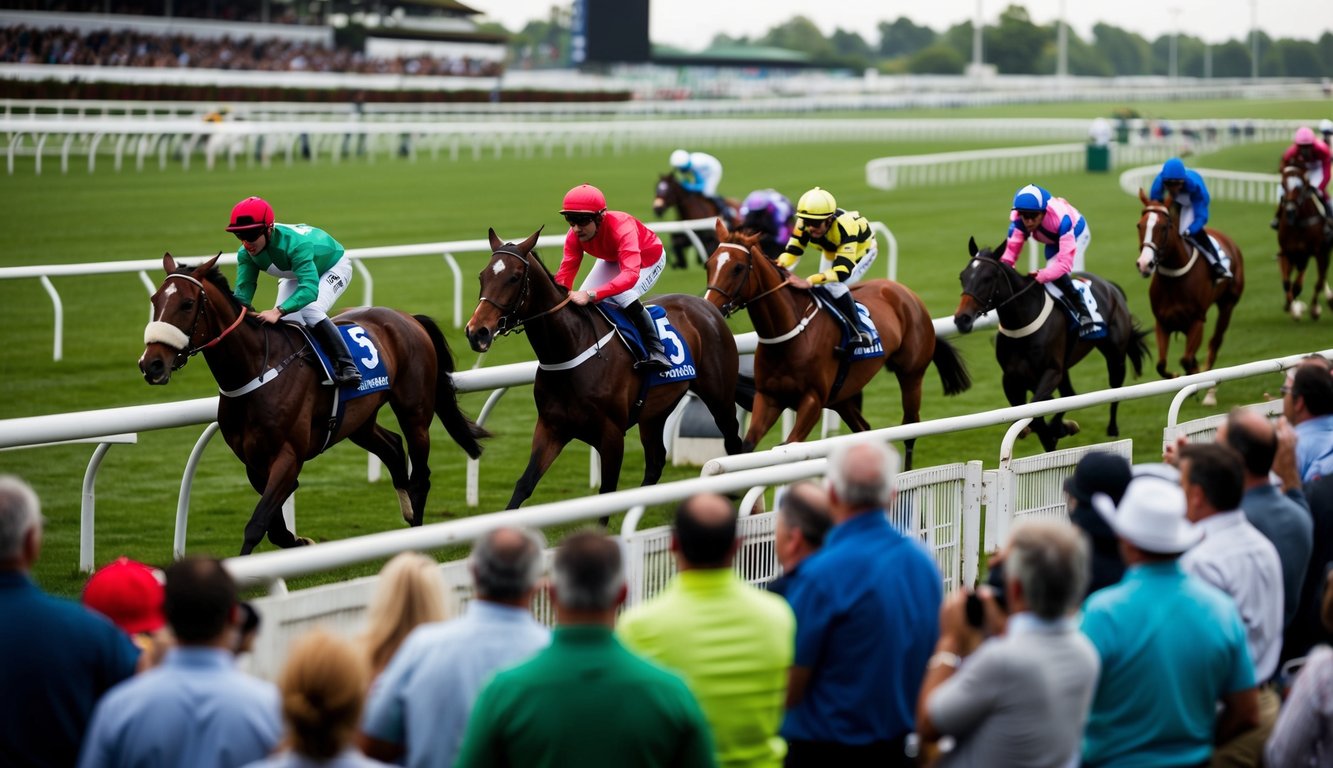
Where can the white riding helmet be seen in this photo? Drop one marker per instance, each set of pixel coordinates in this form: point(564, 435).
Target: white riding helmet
point(680, 159)
point(1326, 126)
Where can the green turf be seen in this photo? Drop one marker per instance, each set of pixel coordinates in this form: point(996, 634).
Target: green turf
point(108, 216)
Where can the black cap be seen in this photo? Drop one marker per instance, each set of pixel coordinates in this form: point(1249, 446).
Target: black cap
point(1099, 472)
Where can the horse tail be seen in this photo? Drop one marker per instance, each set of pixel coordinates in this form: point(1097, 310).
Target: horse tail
point(463, 430)
point(1138, 347)
point(952, 369)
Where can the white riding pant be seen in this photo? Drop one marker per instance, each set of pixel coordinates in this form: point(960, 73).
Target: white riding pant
point(331, 286)
point(858, 270)
point(604, 272)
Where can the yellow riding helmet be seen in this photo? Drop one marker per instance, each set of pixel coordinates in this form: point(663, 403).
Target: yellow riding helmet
point(816, 204)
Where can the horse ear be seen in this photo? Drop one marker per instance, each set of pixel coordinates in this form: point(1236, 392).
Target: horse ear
point(999, 249)
point(1142, 197)
point(168, 263)
point(207, 265)
point(496, 242)
point(721, 228)
point(527, 245)
point(972, 246)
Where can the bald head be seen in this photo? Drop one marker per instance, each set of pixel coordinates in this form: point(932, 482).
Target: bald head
point(862, 474)
point(506, 564)
point(1253, 437)
point(705, 529)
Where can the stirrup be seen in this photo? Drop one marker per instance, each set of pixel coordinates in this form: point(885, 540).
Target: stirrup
point(654, 363)
point(346, 374)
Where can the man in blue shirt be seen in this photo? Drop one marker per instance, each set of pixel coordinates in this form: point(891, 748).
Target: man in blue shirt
point(196, 709)
point(420, 705)
point(867, 617)
point(1308, 405)
point(59, 657)
point(1187, 189)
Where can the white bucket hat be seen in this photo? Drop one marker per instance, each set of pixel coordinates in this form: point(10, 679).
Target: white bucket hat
point(1151, 516)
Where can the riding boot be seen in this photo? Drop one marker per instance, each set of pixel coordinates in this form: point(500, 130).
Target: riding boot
point(1087, 327)
point(656, 359)
point(1203, 242)
point(345, 371)
point(847, 306)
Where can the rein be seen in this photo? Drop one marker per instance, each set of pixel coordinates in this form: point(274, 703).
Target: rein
point(183, 356)
point(988, 304)
point(732, 306)
point(504, 326)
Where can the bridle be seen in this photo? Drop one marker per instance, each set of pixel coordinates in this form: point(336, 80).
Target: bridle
point(733, 305)
point(183, 355)
point(507, 323)
point(989, 304)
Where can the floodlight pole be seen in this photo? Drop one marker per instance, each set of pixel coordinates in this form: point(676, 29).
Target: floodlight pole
point(1254, 39)
point(1062, 63)
point(976, 40)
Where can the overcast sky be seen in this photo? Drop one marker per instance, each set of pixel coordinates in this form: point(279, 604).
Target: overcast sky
point(691, 24)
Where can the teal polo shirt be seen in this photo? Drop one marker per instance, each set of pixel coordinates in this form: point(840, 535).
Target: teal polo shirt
point(1171, 646)
point(733, 644)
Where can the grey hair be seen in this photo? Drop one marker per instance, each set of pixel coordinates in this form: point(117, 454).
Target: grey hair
point(506, 568)
point(588, 572)
point(861, 473)
point(20, 512)
point(1049, 559)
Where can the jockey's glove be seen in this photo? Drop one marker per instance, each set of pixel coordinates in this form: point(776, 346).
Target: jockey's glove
point(788, 260)
point(823, 277)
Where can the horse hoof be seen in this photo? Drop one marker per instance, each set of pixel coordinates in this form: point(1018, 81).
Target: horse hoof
point(1024, 433)
point(1316, 311)
point(1297, 310)
point(1210, 397)
point(1071, 427)
point(304, 541)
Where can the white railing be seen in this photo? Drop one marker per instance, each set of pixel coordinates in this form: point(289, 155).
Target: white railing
point(1222, 185)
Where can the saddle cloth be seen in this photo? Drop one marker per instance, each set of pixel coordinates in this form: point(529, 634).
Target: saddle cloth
point(864, 352)
point(374, 375)
point(677, 351)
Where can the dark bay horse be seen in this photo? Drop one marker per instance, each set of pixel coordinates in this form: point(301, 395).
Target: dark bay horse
point(273, 412)
point(1036, 345)
point(1182, 286)
point(796, 366)
point(1300, 236)
point(586, 387)
point(689, 205)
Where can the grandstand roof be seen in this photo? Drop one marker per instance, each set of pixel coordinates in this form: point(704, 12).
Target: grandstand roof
point(443, 5)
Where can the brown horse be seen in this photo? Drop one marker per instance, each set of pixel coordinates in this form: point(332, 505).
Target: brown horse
point(273, 412)
point(796, 366)
point(1301, 235)
point(689, 205)
point(1036, 346)
point(586, 387)
point(1182, 286)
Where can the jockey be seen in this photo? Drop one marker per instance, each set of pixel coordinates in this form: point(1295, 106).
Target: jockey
point(1311, 154)
point(1053, 221)
point(1187, 189)
point(701, 173)
point(768, 212)
point(847, 249)
point(629, 263)
point(312, 275)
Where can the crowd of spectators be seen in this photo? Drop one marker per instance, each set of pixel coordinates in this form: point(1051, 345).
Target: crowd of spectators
point(1164, 650)
point(128, 48)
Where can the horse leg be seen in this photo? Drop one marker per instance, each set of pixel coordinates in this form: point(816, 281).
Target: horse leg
point(910, 384)
point(723, 411)
point(611, 449)
point(1049, 432)
point(280, 483)
point(808, 413)
point(1193, 340)
point(1284, 269)
point(1016, 392)
point(1219, 331)
point(546, 446)
point(651, 434)
point(1297, 285)
point(388, 447)
point(762, 418)
point(1163, 343)
point(1115, 372)
point(1065, 427)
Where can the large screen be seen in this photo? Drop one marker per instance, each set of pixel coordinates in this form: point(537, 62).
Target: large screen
point(609, 31)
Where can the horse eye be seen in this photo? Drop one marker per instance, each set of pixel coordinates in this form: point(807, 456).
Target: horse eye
point(187, 305)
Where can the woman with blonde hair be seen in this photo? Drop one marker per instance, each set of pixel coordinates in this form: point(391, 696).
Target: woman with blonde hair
point(323, 687)
point(410, 592)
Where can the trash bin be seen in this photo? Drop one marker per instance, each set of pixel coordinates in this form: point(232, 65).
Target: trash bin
point(1099, 159)
point(1122, 131)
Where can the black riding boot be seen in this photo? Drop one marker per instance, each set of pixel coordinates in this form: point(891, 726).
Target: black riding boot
point(847, 306)
point(1205, 243)
point(1086, 325)
point(345, 372)
point(656, 359)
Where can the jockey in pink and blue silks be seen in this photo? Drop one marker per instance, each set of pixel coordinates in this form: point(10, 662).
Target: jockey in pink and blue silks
point(1064, 231)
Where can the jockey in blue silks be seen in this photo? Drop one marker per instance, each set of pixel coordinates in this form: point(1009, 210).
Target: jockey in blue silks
point(1187, 189)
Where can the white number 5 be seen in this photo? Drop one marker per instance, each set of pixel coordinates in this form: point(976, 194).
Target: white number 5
point(675, 348)
point(359, 336)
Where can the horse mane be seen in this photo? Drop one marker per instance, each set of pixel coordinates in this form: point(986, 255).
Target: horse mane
point(739, 237)
point(538, 258)
point(218, 280)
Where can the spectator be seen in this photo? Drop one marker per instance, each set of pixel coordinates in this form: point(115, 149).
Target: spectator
point(59, 658)
point(802, 523)
point(419, 708)
point(409, 593)
point(1099, 133)
point(1283, 519)
point(1107, 473)
point(1306, 629)
point(130, 594)
point(1308, 405)
point(1171, 645)
point(1019, 699)
point(323, 689)
point(586, 699)
point(1237, 559)
point(731, 642)
point(195, 709)
point(247, 629)
point(867, 611)
point(1303, 736)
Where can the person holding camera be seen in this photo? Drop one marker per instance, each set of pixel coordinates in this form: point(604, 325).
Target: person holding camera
point(1019, 698)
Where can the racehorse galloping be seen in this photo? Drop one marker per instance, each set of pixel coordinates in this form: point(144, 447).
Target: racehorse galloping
point(586, 387)
point(273, 413)
point(1301, 235)
point(689, 205)
point(1182, 287)
point(1037, 345)
point(796, 366)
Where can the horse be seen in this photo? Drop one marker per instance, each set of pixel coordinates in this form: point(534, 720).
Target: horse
point(586, 386)
point(1300, 235)
point(1036, 346)
point(796, 365)
point(273, 413)
point(669, 193)
point(1182, 286)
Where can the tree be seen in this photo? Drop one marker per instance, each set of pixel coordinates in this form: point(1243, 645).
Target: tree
point(1126, 52)
point(799, 34)
point(903, 37)
point(1231, 59)
point(1015, 45)
point(1326, 50)
point(959, 38)
point(938, 59)
point(1084, 60)
point(1295, 58)
point(850, 50)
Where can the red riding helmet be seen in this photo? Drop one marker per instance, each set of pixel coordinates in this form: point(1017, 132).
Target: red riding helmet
point(251, 213)
point(585, 198)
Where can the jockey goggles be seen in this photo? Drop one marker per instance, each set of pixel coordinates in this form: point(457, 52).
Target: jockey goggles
point(579, 219)
point(250, 235)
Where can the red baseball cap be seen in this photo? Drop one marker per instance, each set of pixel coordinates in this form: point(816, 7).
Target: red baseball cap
point(129, 593)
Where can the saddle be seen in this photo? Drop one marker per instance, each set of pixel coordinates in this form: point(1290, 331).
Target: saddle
point(629, 335)
point(374, 376)
point(863, 352)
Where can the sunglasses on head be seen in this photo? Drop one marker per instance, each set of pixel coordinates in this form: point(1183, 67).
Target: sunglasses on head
point(579, 219)
point(249, 235)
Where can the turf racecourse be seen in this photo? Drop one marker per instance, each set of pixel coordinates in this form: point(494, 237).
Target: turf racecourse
point(108, 216)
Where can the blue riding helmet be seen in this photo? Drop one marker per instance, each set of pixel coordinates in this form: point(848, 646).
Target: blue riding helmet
point(1031, 198)
point(1173, 170)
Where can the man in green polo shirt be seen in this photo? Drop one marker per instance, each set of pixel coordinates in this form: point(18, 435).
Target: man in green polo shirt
point(731, 642)
point(586, 700)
